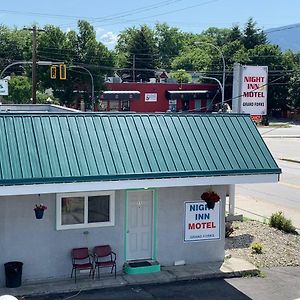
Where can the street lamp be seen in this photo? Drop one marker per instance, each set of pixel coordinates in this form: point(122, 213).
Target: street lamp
point(92, 81)
point(40, 63)
point(223, 60)
point(220, 85)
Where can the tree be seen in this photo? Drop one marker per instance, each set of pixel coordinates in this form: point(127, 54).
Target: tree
point(253, 36)
point(191, 59)
point(182, 76)
point(79, 49)
point(235, 34)
point(292, 63)
point(138, 53)
point(15, 45)
point(294, 90)
point(19, 88)
point(217, 36)
point(170, 42)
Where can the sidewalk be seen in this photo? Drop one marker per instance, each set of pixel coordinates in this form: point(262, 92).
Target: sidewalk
point(231, 267)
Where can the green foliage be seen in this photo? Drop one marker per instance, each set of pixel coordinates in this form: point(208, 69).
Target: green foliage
point(139, 58)
point(253, 36)
point(72, 48)
point(257, 247)
point(261, 274)
point(182, 76)
point(279, 221)
point(147, 49)
point(19, 88)
point(14, 46)
point(45, 98)
point(170, 42)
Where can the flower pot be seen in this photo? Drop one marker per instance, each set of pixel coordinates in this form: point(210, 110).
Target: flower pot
point(210, 205)
point(39, 213)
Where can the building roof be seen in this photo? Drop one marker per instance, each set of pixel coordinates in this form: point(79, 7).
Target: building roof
point(35, 108)
point(62, 148)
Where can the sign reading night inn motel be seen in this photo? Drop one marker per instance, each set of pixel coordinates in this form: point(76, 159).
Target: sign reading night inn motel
point(254, 90)
point(201, 223)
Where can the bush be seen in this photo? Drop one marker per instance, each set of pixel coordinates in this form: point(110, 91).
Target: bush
point(257, 247)
point(278, 221)
point(288, 227)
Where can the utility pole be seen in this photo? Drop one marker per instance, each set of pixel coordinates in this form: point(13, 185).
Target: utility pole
point(133, 68)
point(34, 31)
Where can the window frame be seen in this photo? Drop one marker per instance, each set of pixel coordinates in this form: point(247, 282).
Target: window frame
point(85, 195)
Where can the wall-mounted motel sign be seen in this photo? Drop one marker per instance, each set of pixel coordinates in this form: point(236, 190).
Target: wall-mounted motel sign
point(3, 87)
point(200, 222)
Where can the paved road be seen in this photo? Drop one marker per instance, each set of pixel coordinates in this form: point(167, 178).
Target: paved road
point(278, 284)
point(292, 130)
point(259, 201)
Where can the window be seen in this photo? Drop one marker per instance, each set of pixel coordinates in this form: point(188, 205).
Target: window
point(83, 210)
point(114, 105)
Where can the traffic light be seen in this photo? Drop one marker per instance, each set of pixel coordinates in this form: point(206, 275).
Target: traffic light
point(53, 72)
point(62, 72)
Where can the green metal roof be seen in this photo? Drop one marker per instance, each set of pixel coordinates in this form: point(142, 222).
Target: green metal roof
point(48, 148)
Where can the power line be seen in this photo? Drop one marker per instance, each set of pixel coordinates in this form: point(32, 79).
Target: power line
point(125, 13)
point(283, 28)
point(161, 14)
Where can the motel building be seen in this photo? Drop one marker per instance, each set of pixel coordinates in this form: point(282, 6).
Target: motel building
point(129, 180)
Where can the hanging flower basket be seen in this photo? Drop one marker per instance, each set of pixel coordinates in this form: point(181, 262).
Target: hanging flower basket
point(39, 210)
point(211, 198)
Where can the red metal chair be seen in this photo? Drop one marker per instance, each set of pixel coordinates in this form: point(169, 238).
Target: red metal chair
point(104, 258)
point(81, 260)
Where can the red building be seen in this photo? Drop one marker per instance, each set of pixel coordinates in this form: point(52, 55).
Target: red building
point(159, 97)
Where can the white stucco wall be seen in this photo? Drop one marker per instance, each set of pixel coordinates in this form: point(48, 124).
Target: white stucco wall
point(45, 251)
point(170, 228)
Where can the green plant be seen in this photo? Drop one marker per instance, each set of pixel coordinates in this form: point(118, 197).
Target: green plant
point(279, 221)
point(261, 274)
point(276, 220)
point(257, 247)
point(288, 227)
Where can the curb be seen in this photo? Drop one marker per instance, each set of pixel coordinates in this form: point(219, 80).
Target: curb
point(290, 160)
point(231, 267)
point(280, 136)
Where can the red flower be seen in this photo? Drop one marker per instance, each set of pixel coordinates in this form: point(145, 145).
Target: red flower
point(210, 197)
point(40, 207)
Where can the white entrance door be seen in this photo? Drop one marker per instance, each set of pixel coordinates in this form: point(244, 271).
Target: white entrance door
point(139, 225)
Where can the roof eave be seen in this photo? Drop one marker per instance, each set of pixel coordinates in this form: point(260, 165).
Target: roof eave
point(50, 188)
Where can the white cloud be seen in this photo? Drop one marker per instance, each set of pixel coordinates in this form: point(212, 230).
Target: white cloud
point(109, 38)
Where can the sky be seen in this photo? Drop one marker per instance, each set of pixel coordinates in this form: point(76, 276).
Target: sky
point(111, 17)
